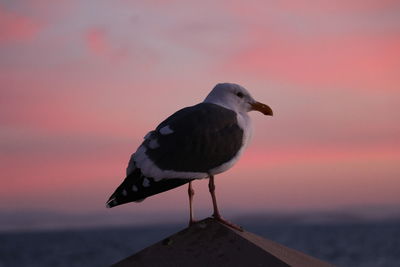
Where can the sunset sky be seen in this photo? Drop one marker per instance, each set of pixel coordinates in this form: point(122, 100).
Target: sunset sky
point(81, 83)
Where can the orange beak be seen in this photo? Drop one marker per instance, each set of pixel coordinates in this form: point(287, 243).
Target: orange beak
point(264, 109)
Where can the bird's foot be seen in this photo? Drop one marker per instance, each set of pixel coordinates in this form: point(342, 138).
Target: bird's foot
point(228, 223)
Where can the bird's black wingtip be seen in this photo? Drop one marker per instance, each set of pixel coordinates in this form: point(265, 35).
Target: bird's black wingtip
point(111, 203)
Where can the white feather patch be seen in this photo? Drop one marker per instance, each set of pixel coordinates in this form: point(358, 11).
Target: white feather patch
point(166, 130)
point(153, 144)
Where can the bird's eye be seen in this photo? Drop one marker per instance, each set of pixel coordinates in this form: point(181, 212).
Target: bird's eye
point(240, 94)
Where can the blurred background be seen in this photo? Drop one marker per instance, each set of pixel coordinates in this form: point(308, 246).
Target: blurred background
point(81, 83)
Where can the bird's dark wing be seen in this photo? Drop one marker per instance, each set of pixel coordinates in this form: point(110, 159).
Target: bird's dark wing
point(202, 137)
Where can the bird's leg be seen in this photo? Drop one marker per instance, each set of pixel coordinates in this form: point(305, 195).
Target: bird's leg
point(217, 216)
point(191, 194)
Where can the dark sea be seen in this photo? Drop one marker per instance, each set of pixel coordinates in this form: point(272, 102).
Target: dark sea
point(342, 244)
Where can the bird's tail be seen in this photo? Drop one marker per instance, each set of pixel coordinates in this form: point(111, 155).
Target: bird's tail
point(136, 187)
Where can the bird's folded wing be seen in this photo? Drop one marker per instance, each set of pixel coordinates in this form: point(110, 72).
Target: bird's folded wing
point(195, 139)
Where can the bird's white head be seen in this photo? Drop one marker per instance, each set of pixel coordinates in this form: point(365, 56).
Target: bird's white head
point(237, 98)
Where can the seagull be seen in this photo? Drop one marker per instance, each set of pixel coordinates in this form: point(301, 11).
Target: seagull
point(195, 142)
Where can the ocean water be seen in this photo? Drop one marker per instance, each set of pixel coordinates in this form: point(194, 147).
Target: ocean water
point(346, 244)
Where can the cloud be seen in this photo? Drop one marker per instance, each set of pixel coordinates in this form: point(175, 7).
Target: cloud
point(352, 44)
point(255, 8)
point(15, 27)
point(348, 60)
point(97, 41)
point(100, 43)
point(317, 154)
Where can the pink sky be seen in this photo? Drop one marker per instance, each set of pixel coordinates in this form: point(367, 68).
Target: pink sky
point(82, 82)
